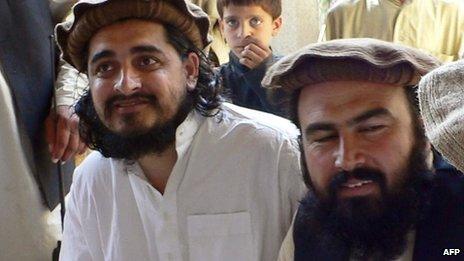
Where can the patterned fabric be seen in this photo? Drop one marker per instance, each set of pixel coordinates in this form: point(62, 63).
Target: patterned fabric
point(441, 97)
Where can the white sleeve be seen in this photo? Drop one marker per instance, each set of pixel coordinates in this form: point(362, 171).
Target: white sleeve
point(74, 245)
point(70, 84)
point(287, 250)
point(291, 180)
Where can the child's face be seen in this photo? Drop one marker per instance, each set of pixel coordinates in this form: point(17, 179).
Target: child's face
point(243, 25)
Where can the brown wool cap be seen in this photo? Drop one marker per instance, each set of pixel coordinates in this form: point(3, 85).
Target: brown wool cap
point(92, 15)
point(441, 100)
point(360, 59)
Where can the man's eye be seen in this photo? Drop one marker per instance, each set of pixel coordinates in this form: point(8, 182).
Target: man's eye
point(255, 21)
point(373, 128)
point(103, 68)
point(232, 23)
point(325, 138)
point(147, 61)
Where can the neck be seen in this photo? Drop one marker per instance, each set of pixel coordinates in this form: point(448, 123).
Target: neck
point(158, 167)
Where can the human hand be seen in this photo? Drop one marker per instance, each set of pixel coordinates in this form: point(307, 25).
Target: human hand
point(62, 134)
point(254, 53)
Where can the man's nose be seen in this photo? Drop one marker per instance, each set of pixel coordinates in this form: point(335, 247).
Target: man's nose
point(349, 155)
point(129, 81)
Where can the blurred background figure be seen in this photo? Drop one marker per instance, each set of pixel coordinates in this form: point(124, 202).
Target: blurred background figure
point(219, 52)
point(300, 26)
point(29, 179)
point(434, 26)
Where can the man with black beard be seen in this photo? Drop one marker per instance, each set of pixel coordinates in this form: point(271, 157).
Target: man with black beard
point(374, 193)
point(177, 174)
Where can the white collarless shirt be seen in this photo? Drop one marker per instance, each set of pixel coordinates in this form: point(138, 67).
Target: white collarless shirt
point(231, 195)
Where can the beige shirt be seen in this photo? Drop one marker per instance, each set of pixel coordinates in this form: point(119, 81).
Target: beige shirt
point(434, 26)
point(362, 19)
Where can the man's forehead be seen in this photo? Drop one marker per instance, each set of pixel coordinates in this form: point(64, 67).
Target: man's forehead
point(351, 119)
point(339, 92)
point(131, 28)
point(345, 100)
point(129, 34)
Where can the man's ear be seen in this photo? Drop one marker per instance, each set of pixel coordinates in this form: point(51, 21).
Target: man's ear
point(277, 24)
point(191, 66)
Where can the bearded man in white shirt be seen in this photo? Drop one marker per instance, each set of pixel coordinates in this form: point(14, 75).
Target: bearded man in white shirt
point(179, 175)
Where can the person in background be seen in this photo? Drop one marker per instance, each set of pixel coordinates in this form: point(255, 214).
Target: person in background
point(177, 174)
point(434, 26)
point(29, 180)
point(440, 98)
point(248, 27)
point(219, 52)
point(377, 192)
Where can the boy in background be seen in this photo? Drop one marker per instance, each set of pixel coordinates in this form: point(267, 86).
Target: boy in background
point(248, 26)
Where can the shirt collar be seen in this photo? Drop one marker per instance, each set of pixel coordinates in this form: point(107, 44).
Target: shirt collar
point(187, 130)
point(440, 164)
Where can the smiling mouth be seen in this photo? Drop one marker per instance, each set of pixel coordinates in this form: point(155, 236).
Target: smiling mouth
point(128, 103)
point(128, 106)
point(356, 187)
point(356, 184)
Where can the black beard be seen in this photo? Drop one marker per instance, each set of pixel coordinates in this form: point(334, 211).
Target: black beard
point(363, 228)
point(132, 145)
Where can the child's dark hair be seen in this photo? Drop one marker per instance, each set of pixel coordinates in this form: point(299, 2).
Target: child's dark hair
point(272, 7)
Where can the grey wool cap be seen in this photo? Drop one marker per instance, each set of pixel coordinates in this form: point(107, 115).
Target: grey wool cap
point(441, 100)
point(91, 15)
point(360, 59)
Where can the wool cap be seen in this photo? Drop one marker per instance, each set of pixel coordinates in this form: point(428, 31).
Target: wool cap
point(91, 15)
point(360, 59)
point(441, 100)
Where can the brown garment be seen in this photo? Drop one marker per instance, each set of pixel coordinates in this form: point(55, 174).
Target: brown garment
point(91, 15)
point(360, 59)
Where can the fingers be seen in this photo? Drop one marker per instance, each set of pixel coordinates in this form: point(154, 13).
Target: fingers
point(61, 138)
point(253, 55)
point(258, 50)
point(62, 134)
point(72, 147)
point(259, 44)
point(50, 131)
